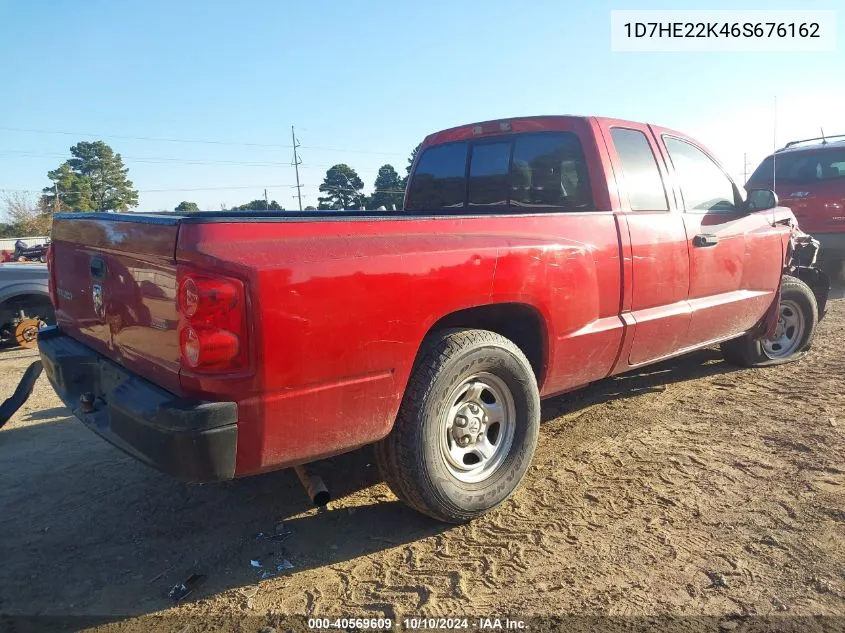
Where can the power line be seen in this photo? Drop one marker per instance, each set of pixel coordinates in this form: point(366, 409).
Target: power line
point(296, 163)
point(63, 193)
point(167, 160)
point(162, 139)
point(333, 188)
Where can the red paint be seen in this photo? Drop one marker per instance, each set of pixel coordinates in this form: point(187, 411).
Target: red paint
point(139, 290)
point(336, 309)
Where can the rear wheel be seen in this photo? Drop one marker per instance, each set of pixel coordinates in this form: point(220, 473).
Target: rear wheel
point(798, 314)
point(466, 429)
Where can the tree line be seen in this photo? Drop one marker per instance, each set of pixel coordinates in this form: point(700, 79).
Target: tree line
point(94, 178)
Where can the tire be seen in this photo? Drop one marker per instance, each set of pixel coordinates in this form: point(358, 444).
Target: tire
point(462, 383)
point(798, 316)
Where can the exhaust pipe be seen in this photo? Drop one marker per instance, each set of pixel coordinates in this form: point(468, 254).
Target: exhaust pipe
point(313, 484)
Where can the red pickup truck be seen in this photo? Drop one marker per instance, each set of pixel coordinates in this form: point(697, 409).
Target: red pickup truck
point(532, 256)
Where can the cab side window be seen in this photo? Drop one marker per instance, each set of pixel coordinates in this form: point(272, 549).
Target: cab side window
point(704, 186)
point(639, 169)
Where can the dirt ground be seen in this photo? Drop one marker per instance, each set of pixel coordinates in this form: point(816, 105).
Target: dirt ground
point(693, 488)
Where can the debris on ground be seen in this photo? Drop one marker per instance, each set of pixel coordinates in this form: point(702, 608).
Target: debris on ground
point(255, 563)
point(181, 590)
point(717, 580)
point(21, 393)
point(281, 532)
point(284, 565)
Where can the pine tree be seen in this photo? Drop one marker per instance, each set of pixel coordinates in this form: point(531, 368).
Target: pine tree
point(343, 188)
point(94, 179)
point(389, 189)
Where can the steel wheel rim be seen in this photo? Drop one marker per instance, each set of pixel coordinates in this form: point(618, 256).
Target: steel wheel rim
point(789, 332)
point(477, 430)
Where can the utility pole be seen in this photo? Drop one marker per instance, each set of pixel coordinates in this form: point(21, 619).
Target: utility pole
point(266, 201)
point(56, 204)
point(296, 163)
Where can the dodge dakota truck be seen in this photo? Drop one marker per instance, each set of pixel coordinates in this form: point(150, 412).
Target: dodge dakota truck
point(532, 257)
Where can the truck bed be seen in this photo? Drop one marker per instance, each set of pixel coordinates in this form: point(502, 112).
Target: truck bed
point(339, 303)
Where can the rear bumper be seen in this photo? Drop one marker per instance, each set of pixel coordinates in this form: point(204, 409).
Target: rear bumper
point(193, 440)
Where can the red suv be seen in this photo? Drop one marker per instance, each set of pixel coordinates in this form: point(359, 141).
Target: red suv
point(810, 179)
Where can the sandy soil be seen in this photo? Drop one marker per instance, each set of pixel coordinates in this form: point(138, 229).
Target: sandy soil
point(692, 488)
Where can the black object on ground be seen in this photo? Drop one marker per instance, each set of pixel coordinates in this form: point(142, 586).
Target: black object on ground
point(183, 589)
point(22, 392)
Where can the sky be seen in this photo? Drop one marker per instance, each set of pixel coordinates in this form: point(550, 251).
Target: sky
point(199, 96)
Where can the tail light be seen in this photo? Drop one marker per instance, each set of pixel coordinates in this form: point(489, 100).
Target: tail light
point(212, 322)
point(51, 275)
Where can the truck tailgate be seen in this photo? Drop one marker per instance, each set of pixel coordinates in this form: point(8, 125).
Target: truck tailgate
point(115, 279)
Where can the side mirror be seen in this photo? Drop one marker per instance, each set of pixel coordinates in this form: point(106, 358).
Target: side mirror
point(761, 200)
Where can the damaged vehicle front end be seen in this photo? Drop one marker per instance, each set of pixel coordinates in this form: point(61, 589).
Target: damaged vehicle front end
point(800, 261)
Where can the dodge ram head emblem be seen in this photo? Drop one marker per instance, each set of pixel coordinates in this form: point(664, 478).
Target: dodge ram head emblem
point(99, 305)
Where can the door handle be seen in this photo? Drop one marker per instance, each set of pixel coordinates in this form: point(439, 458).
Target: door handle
point(705, 240)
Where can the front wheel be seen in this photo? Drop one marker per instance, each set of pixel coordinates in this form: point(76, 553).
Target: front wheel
point(466, 429)
point(798, 315)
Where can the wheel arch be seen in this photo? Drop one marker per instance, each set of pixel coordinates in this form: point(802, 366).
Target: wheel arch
point(15, 289)
point(521, 323)
point(20, 296)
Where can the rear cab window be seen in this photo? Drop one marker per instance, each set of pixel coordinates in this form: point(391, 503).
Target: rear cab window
point(538, 170)
point(489, 167)
point(440, 177)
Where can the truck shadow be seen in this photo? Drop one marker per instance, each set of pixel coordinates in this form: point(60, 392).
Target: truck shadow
point(837, 289)
point(651, 379)
point(99, 533)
